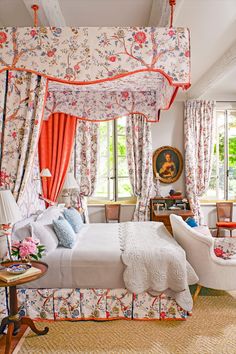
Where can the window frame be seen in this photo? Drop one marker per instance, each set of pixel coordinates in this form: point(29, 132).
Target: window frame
point(224, 107)
point(113, 126)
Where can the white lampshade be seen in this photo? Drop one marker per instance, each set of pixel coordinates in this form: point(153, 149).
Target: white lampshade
point(45, 172)
point(9, 210)
point(70, 182)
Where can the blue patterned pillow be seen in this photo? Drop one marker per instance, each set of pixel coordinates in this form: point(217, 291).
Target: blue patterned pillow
point(64, 232)
point(74, 218)
point(191, 222)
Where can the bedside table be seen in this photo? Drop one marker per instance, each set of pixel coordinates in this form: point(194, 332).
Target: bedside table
point(14, 320)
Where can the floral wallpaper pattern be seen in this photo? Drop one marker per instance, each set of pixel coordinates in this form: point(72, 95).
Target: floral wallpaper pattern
point(198, 135)
point(139, 159)
point(95, 53)
point(93, 304)
point(23, 109)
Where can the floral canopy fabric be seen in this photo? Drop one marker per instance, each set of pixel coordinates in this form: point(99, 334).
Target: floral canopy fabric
point(128, 70)
point(92, 73)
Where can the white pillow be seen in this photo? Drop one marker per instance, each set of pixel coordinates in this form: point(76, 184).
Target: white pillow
point(50, 214)
point(22, 229)
point(204, 230)
point(46, 235)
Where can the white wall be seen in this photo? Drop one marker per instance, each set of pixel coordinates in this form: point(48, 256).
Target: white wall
point(170, 131)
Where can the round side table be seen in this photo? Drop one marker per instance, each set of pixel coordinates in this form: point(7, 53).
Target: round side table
point(14, 320)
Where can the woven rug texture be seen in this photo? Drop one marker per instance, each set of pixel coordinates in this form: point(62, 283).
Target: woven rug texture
point(211, 330)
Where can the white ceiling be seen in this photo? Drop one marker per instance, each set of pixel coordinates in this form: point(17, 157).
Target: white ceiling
point(212, 25)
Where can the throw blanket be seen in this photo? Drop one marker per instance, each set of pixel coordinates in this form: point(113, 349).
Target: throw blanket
point(155, 262)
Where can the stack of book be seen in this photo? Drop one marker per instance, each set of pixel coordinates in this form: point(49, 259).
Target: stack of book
point(7, 277)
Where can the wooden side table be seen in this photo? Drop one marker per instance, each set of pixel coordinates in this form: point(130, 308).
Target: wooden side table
point(164, 216)
point(14, 320)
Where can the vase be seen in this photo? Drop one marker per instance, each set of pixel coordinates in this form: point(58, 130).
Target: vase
point(26, 260)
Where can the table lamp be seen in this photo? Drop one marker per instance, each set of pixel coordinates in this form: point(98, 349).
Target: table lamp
point(9, 215)
point(45, 172)
point(157, 185)
point(69, 184)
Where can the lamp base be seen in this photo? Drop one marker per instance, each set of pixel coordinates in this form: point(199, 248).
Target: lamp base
point(6, 233)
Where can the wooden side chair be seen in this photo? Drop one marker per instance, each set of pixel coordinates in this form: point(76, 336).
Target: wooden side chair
point(224, 217)
point(112, 212)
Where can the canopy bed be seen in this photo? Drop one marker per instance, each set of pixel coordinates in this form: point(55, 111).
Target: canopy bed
point(54, 78)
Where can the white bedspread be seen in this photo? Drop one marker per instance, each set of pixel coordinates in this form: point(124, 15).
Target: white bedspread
point(155, 262)
point(96, 260)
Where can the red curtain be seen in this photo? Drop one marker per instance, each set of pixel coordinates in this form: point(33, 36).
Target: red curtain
point(55, 147)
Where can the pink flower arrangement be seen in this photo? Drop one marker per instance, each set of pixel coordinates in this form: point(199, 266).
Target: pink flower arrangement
point(27, 249)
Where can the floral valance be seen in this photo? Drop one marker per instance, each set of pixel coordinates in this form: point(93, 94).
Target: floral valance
point(93, 54)
point(87, 103)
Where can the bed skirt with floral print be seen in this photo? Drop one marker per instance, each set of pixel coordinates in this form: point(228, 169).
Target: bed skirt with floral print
point(92, 304)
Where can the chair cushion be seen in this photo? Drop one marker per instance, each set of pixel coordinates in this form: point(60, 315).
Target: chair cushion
point(74, 219)
point(225, 248)
point(64, 232)
point(226, 224)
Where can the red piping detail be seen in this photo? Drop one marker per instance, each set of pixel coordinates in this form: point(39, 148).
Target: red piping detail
point(83, 83)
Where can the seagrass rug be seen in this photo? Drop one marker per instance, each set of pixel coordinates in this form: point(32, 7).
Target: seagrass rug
point(211, 330)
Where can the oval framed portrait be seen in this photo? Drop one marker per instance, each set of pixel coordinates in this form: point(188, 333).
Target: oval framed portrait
point(167, 164)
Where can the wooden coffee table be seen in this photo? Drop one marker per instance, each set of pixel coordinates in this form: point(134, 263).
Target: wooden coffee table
point(14, 320)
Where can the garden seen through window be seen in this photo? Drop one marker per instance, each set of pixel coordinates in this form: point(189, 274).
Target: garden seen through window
point(223, 176)
point(113, 181)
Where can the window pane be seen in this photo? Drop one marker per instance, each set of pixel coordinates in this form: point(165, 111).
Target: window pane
point(101, 189)
point(122, 167)
point(103, 167)
point(124, 188)
point(121, 124)
point(232, 154)
point(121, 145)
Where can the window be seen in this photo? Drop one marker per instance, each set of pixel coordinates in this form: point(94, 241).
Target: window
point(223, 177)
point(113, 181)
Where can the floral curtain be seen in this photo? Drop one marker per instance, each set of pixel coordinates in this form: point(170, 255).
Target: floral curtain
point(84, 162)
point(139, 158)
point(22, 113)
point(198, 135)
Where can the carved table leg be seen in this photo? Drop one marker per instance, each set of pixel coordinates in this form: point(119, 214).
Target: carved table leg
point(30, 323)
point(14, 321)
point(3, 324)
point(8, 337)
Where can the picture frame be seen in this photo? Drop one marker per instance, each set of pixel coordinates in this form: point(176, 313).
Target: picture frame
point(167, 164)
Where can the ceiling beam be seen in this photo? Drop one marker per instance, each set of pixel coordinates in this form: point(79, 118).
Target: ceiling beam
point(159, 14)
point(216, 72)
point(177, 10)
point(49, 13)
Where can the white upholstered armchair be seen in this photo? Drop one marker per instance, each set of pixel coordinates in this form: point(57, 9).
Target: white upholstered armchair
point(213, 272)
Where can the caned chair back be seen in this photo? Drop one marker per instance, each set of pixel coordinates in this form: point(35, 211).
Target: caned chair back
point(224, 211)
point(112, 212)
